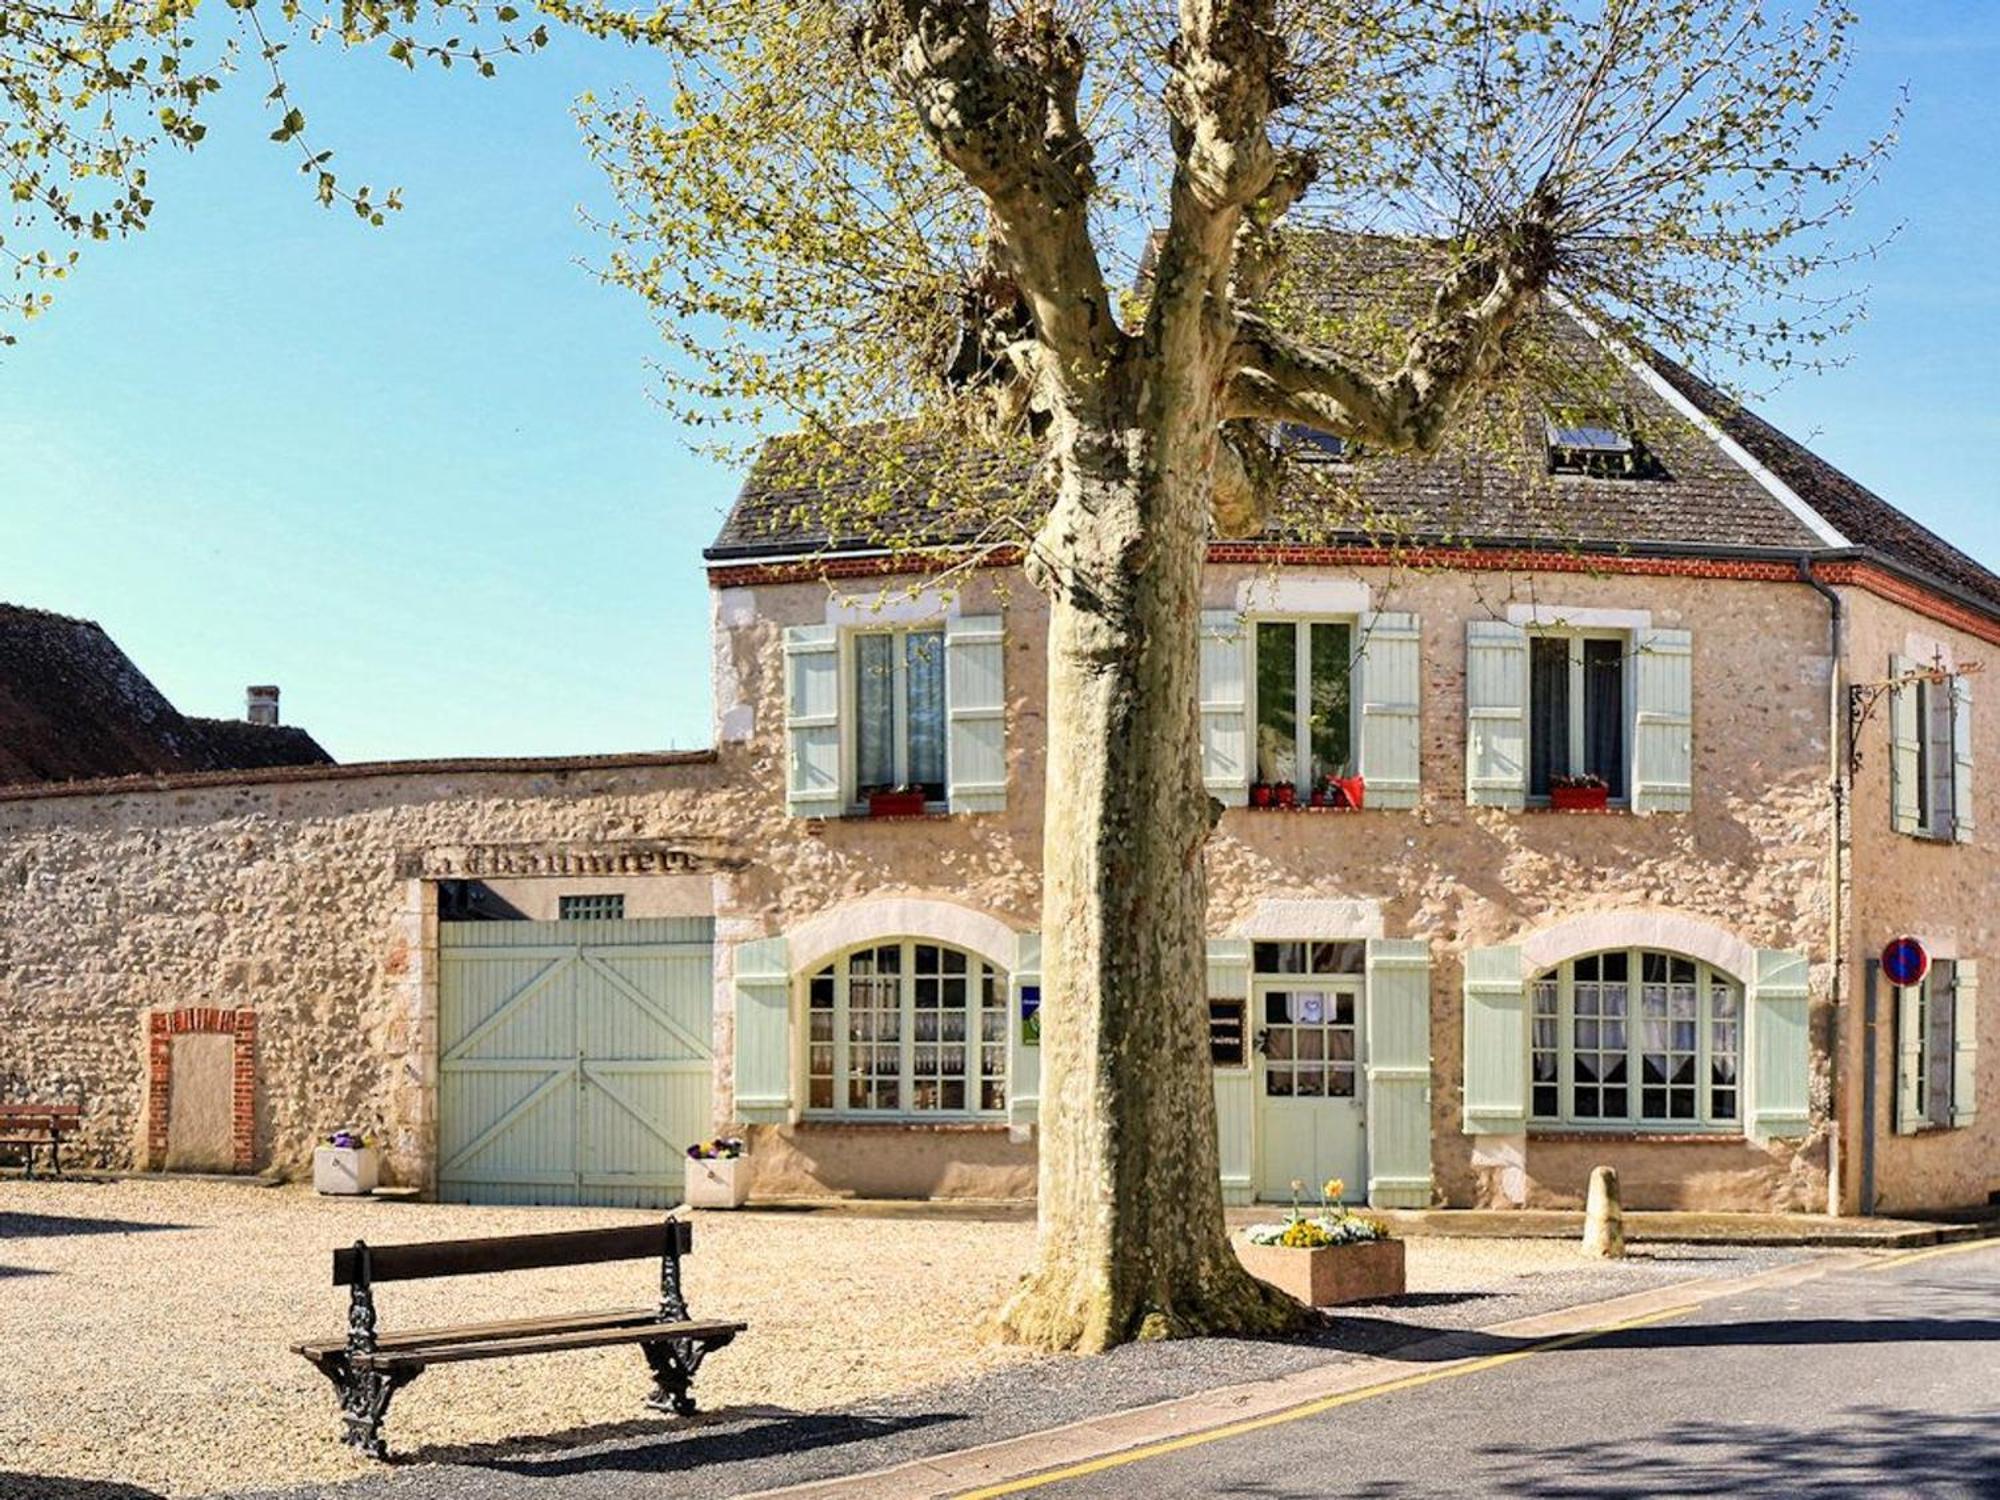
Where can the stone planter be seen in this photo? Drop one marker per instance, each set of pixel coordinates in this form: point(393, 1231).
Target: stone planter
point(1330, 1275)
point(346, 1171)
point(721, 1183)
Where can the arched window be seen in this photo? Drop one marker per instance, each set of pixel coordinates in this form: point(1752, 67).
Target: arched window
point(1636, 1037)
point(906, 1028)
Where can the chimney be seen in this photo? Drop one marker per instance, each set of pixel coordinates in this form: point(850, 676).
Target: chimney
point(261, 705)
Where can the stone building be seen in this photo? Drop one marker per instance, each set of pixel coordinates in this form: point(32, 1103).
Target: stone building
point(538, 980)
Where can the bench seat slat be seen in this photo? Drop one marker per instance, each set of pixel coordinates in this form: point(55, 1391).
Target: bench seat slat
point(549, 1343)
point(474, 1332)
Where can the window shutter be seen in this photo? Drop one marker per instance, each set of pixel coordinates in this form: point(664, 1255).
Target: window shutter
point(1024, 1073)
point(1398, 1038)
point(1663, 726)
point(1905, 749)
point(1225, 724)
point(1388, 678)
point(1961, 759)
point(1235, 1088)
point(763, 1032)
point(813, 781)
point(1780, 1049)
point(1496, 714)
point(1496, 1042)
point(1965, 1043)
point(1909, 1058)
point(976, 700)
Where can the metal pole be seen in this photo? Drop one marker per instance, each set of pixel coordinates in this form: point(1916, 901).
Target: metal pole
point(1868, 1022)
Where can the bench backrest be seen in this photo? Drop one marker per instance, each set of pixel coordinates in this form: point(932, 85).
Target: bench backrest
point(49, 1115)
point(513, 1252)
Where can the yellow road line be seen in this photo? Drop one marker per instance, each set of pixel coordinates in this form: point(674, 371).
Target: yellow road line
point(1959, 1248)
point(1309, 1409)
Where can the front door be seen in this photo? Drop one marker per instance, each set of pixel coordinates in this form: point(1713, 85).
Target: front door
point(1309, 1107)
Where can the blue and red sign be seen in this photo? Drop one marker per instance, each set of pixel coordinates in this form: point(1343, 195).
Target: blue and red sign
point(1905, 962)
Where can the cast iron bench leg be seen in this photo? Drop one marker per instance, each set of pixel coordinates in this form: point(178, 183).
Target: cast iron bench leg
point(673, 1362)
point(364, 1402)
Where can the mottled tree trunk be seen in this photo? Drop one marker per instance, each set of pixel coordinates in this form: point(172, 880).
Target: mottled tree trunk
point(1132, 1237)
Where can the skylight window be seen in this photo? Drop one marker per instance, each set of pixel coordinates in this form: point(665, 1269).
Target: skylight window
point(1311, 446)
point(1598, 444)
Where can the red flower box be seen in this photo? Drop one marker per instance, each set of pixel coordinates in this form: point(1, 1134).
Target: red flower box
point(895, 804)
point(1351, 788)
point(1579, 798)
point(1288, 795)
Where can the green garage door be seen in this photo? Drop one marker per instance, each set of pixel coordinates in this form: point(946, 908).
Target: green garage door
point(574, 1059)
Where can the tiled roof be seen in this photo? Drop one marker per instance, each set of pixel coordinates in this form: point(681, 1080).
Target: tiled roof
point(1475, 493)
point(73, 706)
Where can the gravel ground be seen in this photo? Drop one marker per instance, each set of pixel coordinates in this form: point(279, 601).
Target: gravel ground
point(155, 1318)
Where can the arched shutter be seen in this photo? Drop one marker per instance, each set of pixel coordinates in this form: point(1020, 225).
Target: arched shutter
point(1388, 678)
point(1663, 723)
point(1398, 1040)
point(1496, 714)
point(1024, 1073)
point(1780, 1047)
point(763, 984)
point(1496, 1043)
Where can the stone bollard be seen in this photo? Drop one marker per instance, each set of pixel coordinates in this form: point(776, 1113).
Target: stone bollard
point(1604, 1217)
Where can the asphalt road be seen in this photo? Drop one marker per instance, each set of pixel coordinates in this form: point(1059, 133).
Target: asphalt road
point(1884, 1381)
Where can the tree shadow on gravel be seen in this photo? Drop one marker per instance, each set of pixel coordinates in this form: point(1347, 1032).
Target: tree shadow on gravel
point(55, 1226)
point(18, 1486)
point(652, 1448)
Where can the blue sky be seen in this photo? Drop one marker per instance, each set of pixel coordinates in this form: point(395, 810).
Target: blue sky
point(413, 475)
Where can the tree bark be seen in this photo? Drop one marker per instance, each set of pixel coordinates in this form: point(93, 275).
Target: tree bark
point(1132, 1240)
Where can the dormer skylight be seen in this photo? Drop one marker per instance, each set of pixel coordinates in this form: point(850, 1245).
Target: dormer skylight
point(1598, 443)
point(1308, 445)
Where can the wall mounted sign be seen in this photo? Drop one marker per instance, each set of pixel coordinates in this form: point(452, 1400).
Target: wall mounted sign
point(1905, 961)
point(1031, 1015)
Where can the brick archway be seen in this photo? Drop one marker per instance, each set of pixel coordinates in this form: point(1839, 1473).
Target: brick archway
point(164, 1026)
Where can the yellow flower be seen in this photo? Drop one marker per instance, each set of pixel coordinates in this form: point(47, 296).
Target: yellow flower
point(1334, 1188)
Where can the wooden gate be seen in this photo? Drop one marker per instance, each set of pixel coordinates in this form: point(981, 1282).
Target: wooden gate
point(574, 1059)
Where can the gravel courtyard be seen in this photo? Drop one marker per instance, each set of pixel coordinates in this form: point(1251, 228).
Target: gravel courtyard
point(144, 1325)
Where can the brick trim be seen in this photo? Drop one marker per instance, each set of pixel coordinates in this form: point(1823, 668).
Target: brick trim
point(1870, 576)
point(162, 1027)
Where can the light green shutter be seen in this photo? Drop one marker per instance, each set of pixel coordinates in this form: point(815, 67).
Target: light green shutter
point(1398, 1039)
point(1235, 1088)
point(763, 1032)
point(1909, 1058)
point(1496, 1043)
point(1024, 1079)
point(1389, 676)
point(1780, 1046)
point(1905, 749)
point(1965, 1043)
point(1961, 759)
point(1225, 725)
point(812, 722)
point(1496, 714)
point(976, 700)
point(1663, 726)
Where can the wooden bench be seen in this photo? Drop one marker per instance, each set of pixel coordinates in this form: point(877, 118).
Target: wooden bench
point(36, 1127)
point(367, 1368)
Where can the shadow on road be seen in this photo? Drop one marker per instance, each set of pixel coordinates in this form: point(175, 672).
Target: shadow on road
point(17, 1486)
point(55, 1226)
point(656, 1448)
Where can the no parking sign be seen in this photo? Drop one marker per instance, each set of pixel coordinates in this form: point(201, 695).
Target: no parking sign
point(1905, 961)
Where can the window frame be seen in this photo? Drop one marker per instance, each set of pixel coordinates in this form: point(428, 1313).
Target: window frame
point(1579, 723)
point(899, 696)
point(1705, 1121)
point(1302, 690)
point(978, 970)
point(608, 899)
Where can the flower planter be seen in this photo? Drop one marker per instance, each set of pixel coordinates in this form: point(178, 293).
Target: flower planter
point(346, 1171)
point(895, 804)
point(720, 1182)
point(1579, 798)
point(1352, 788)
point(1260, 794)
point(1287, 794)
point(1331, 1275)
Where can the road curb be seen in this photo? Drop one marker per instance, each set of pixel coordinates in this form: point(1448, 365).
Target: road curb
point(1010, 1459)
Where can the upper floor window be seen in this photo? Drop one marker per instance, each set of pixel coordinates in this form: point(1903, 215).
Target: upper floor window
point(899, 712)
point(1930, 770)
point(1599, 443)
point(606, 907)
point(1576, 709)
point(1636, 1037)
point(1305, 701)
point(1935, 793)
point(907, 1028)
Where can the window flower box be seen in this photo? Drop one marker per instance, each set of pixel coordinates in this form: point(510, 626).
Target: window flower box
point(1579, 793)
point(1345, 791)
point(346, 1166)
point(904, 802)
